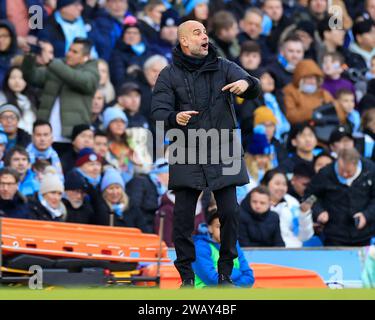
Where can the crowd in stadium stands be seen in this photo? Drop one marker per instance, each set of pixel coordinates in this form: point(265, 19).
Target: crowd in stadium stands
point(75, 113)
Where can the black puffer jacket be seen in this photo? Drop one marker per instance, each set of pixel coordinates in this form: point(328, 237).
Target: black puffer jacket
point(259, 230)
point(185, 85)
point(343, 202)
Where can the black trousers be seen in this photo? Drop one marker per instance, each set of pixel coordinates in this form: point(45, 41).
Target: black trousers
point(183, 227)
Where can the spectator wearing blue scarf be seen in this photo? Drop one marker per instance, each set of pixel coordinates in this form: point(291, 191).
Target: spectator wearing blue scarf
point(65, 24)
point(117, 209)
point(41, 147)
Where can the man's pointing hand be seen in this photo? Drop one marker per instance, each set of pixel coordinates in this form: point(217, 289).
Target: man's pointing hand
point(238, 87)
point(183, 117)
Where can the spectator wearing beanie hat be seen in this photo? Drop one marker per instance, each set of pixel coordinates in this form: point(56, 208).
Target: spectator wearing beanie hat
point(122, 154)
point(168, 34)
point(116, 207)
point(47, 203)
point(89, 166)
point(82, 137)
point(9, 118)
point(264, 116)
point(79, 208)
point(130, 52)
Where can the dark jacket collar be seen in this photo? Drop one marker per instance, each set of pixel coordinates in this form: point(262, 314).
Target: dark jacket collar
point(191, 64)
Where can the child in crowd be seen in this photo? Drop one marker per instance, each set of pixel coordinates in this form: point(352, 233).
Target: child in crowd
point(346, 102)
point(207, 246)
point(333, 68)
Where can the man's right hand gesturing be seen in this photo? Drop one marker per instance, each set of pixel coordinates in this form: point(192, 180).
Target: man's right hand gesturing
point(183, 117)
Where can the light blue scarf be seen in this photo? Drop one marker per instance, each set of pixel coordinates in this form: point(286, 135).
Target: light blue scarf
point(55, 213)
point(71, 30)
point(93, 181)
point(118, 209)
point(139, 48)
point(49, 154)
point(344, 181)
point(355, 119)
point(160, 188)
point(286, 65)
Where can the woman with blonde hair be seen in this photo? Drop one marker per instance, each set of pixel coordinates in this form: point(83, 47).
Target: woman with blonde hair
point(105, 84)
point(116, 207)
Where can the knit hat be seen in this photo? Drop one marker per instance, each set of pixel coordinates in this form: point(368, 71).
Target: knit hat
point(160, 166)
point(130, 22)
point(75, 181)
point(111, 176)
point(259, 144)
point(63, 3)
point(87, 155)
point(169, 18)
point(51, 183)
point(191, 4)
point(111, 114)
point(11, 108)
point(264, 114)
point(78, 129)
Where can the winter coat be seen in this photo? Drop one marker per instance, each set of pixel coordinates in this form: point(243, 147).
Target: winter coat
point(283, 77)
point(23, 139)
point(143, 195)
point(18, 207)
point(84, 214)
point(343, 202)
point(68, 159)
point(131, 217)
point(75, 86)
point(206, 261)
point(8, 55)
point(300, 106)
point(289, 164)
point(39, 212)
point(121, 58)
point(110, 29)
point(296, 227)
point(183, 86)
point(259, 230)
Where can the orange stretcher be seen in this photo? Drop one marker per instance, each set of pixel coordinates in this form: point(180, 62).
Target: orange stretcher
point(80, 241)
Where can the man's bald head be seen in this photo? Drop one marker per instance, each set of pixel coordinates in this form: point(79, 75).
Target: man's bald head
point(193, 39)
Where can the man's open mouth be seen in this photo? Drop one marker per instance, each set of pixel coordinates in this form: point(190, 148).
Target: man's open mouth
point(205, 45)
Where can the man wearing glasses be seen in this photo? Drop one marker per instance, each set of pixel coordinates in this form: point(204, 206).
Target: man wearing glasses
point(12, 203)
point(9, 119)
